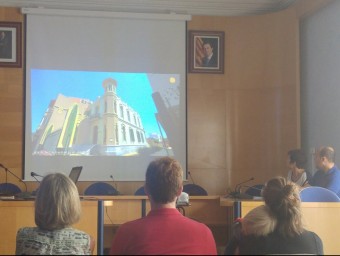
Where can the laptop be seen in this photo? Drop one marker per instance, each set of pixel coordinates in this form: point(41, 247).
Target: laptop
point(75, 173)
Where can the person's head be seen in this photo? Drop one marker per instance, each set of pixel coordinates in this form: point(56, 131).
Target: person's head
point(207, 48)
point(259, 221)
point(324, 158)
point(164, 180)
point(57, 204)
point(283, 200)
point(2, 34)
point(296, 159)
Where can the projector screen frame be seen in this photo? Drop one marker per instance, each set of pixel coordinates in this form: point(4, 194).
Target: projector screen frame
point(107, 179)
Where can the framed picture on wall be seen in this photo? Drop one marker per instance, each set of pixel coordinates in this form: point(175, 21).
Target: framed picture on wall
point(206, 52)
point(10, 44)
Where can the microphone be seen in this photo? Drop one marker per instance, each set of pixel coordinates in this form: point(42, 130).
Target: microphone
point(237, 191)
point(193, 182)
point(238, 187)
point(2, 166)
point(33, 174)
point(115, 185)
point(254, 190)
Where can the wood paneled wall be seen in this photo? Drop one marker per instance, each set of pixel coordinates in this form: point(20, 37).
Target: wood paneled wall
point(11, 110)
point(240, 124)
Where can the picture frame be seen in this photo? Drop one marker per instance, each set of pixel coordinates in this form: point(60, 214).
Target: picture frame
point(10, 44)
point(205, 52)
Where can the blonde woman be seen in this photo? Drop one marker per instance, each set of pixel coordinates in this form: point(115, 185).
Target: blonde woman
point(57, 208)
point(284, 231)
point(258, 222)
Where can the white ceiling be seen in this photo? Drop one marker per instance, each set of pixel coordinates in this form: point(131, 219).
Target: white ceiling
point(191, 7)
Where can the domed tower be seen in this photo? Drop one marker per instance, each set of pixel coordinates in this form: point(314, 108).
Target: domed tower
point(110, 117)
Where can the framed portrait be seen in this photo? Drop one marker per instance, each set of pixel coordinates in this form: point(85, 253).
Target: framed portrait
point(10, 44)
point(206, 52)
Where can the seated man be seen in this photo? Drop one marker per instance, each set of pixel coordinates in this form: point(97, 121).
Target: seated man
point(328, 175)
point(164, 230)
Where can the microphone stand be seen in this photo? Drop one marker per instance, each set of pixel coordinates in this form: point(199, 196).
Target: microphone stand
point(115, 185)
point(237, 191)
point(35, 178)
point(193, 182)
point(238, 186)
point(33, 175)
point(6, 170)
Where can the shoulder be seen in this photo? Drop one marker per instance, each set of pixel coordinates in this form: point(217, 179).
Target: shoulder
point(308, 174)
point(196, 227)
point(336, 171)
point(133, 225)
point(27, 231)
point(313, 239)
point(311, 235)
point(289, 175)
point(75, 232)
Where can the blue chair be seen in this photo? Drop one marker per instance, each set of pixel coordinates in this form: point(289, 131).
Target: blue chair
point(318, 194)
point(255, 190)
point(194, 190)
point(140, 192)
point(9, 189)
point(101, 189)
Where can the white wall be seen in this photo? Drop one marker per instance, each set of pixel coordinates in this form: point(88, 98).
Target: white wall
point(320, 80)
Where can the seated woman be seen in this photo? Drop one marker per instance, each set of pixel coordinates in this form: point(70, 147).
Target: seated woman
point(57, 208)
point(257, 223)
point(296, 163)
point(283, 232)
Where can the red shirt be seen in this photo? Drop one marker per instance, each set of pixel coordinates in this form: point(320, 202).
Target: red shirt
point(163, 231)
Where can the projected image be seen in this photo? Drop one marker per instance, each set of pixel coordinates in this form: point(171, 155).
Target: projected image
point(78, 113)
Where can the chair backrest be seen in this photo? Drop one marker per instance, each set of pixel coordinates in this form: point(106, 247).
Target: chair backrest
point(254, 190)
point(9, 189)
point(318, 194)
point(194, 190)
point(100, 189)
point(140, 192)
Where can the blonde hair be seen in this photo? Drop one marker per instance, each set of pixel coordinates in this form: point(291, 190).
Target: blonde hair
point(283, 199)
point(57, 204)
point(259, 221)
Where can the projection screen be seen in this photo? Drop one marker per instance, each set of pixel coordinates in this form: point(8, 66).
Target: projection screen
point(106, 93)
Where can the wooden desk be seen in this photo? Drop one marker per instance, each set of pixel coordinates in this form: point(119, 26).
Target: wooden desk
point(17, 214)
point(120, 209)
point(321, 218)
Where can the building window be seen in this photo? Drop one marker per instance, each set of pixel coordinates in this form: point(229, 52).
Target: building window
point(123, 133)
point(116, 131)
point(122, 111)
point(138, 137)
point(132, 135)
point(138, 120)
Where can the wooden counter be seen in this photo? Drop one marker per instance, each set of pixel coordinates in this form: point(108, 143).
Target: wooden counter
point(17, 214)
point(320, 217)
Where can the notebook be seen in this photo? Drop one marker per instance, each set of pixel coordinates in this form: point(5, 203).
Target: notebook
point(75, 173)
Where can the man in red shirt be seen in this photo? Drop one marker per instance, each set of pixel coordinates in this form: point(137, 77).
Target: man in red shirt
point(164, 230)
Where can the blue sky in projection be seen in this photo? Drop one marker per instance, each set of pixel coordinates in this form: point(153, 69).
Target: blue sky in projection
point(133, 88)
